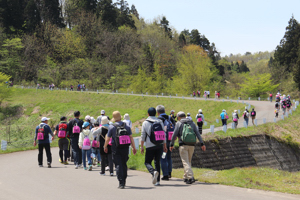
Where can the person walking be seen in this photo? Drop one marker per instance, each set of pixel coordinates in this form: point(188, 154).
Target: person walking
point(271, 97)
point(154, 136)
point(246, 117)
point(172, 117)
point(120, 151)
point(102, 115)
point(235, 118)
point(106, 158)
point(186, 131)
point(75, 127)
point(42, 132)
point(96, 144)
point(61, 130)
point(166, 162)
point(253, 115)
point(85, 144)
point(224, 117)
point(189, 116)
point(200, 119)
point(127, 120)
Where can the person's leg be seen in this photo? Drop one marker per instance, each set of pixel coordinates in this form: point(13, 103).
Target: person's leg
point(48, 153)
point(83, 158)
point(103, 163)
point(117, 161)
point(125, 158)
point(98, 155)
point(79, 155)
point(61, 152)
point(65, 148)
point(190, 154)
point(157, 158)
point(40, 155)
point(169, 158)
point(88, 154)
point(164, 167)
point(110, 163)
point(75, 149)
point(148, 160)
point(184, 158)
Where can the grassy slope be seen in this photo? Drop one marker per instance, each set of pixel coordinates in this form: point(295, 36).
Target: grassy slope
point(54, 104)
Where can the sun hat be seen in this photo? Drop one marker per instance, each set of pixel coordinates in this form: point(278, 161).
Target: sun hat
point(93, 121)
point(116, 116)
point(85, 124)
point(235, 111)
point(45, 119)
point(87, 117)
point(104, 120)
point(126, 116)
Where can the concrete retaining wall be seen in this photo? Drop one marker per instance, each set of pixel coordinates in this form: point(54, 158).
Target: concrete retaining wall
point(257, 150)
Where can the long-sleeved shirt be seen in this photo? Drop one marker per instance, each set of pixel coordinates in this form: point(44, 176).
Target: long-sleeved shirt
point(83, 134)
point(147, 129)
point(201, 116)
point(179, 128)
point(47, 131)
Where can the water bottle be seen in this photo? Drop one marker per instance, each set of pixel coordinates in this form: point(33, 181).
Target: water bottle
point(164, 155)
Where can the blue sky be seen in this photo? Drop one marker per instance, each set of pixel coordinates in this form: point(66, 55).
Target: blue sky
point(235, 26)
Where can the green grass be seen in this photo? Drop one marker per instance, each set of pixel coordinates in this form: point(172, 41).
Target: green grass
point(251, 177)
point(27, 106)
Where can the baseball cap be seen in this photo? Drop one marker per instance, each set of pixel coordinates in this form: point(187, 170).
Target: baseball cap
point(45, 119)
point(85, 124)
point(102, 112)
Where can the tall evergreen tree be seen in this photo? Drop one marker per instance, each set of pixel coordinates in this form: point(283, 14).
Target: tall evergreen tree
point(195, 37)
point(164, 23)
point(182, 40)
point(31, 16)
point(134, 11)
point(124, 17)
point(51, 11)
point(108, 13)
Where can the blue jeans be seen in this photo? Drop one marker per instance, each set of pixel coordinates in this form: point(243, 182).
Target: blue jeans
point(166, 164)
point(77, 153)
point(97, 153)
point(86, 153)
point(247, 120)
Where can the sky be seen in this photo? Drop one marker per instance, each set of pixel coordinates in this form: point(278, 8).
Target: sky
point(235, 26)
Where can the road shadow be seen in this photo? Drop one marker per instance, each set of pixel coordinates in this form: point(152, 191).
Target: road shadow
point(139, 188)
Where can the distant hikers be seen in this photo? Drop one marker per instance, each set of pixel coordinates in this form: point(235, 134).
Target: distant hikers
point(42, 132)
point(127, 120)
point(62, 132)
point(224, 117)
point(200, 120)
point(271, 97)
point(187, 132)
point(235, 118)
point(253, 115)
point(246, 117)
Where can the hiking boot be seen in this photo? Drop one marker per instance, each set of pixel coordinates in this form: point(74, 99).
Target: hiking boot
point(170, 175)
point(154, 178)
point(90, 168)
point(190, 181)
point(165, 178)
point(102, 174)
point(157, 183)
point(49, 165)
point(185, 180)
point(121, 187)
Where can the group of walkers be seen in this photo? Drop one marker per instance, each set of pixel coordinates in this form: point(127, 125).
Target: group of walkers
point(109, 141)
point(282, 102)
point(235, 117)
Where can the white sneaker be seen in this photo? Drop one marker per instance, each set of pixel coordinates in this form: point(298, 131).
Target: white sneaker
point(154, 178)
point(157, 184)
point(107, 168)
point(76, 166)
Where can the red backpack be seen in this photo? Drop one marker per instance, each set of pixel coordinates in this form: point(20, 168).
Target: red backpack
point(62, 130)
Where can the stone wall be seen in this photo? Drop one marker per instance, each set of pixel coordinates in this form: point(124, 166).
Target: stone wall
point(257, 150)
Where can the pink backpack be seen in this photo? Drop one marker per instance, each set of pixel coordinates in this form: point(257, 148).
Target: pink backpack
point(86, 143)
point(40, 134)
point(235, 119)
point(95, 144)
point(199, 119)
point(76, 129)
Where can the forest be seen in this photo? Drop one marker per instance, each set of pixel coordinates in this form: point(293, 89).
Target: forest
point(107, 45)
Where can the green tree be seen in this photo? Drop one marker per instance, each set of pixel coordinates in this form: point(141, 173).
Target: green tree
point(254, 86)
point(31, 16)
point(164, 23)
point(5, 91)
point(107, 13)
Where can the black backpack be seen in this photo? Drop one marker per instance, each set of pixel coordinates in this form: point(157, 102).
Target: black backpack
point(157, 135)
point(122, 138)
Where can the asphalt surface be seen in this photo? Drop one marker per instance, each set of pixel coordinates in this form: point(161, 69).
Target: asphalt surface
point(21, 178)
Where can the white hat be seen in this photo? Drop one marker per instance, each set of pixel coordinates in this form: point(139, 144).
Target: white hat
point(87, 117)
point(45, 119)
point(102, 112)
point(126, 116)
point(223, 110)
point(200, 110)
point(93, 121)
point(104, 120)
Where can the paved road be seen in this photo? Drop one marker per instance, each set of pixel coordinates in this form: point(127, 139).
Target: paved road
point(21, 178)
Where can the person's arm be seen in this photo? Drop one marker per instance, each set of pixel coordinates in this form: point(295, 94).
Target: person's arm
point(175, 134)
point(108, 136)
point(35, 137)
point(199, 137)
point(50, 131)
point(80, 140)
point(143, 136)
point(132, 145)
point(203, 118)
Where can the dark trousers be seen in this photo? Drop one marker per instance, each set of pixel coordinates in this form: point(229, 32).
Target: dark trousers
point(153, 153)
point(48, 153)
point(166, 164)
point(224, 122)
point(120, 158)
point(77, 153)
point(200, 124)
point(106, 159)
